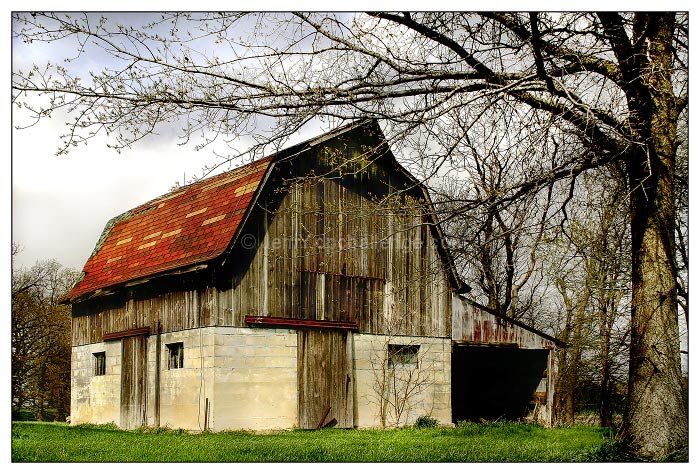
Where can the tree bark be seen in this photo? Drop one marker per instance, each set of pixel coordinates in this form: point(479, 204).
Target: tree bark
point(656, 421)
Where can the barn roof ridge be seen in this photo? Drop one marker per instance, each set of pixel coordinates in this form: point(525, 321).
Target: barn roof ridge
point(201, 182)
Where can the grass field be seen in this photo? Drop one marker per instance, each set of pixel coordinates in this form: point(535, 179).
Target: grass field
point(495, 442)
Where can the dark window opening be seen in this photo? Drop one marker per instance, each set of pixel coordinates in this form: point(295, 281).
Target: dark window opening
point(176, 355)
point(403, 356)
point(100, 363)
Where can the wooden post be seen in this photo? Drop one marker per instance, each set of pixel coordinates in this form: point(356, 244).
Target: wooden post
point(350, 379)
point(323, 417)
point(206, 414)
point(156, 402)
point(551, 368)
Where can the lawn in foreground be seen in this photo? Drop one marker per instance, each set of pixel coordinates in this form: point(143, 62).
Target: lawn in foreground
point(493, 442)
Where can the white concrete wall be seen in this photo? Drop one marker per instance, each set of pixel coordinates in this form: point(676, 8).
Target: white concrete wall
point(432, 396)
point(183, 391)
point(256, 379)
point(95, 398)
point(248, 375)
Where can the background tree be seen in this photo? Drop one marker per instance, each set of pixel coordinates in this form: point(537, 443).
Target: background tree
point(681, 228)
point(41, 345)
point(497, 244)
point(589, 265)
point(617, 83)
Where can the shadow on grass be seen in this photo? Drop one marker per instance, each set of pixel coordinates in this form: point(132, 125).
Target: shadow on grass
point(612, 450)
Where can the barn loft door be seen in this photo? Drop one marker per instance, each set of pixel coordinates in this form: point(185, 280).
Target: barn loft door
point(133, 393)
point(325, 378)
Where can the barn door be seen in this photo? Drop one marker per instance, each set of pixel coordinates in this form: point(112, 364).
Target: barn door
point(133, 393)
point(325, 379)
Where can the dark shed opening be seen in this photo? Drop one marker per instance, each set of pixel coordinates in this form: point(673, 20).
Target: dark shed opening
point(495, 382)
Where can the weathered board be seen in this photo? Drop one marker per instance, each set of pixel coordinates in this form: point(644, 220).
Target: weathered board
point(133, 382)
point(473, 325)
point(324, 372)
point(330, 252)
point(176, 309)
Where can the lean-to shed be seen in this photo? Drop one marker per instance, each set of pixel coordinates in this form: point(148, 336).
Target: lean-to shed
point(305, 289)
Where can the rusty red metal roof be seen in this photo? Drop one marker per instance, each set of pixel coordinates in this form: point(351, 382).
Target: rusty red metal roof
point(190, 225)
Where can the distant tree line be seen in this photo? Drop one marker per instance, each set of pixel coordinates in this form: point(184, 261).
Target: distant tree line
point(41, 341)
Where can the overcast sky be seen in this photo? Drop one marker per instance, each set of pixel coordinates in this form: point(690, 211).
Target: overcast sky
point(60, 204)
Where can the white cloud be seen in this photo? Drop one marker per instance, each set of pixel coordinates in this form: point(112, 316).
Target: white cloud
point(61, 204)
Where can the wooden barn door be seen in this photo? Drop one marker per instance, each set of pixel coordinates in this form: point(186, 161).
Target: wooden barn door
point(133, 393)
point(325, 378)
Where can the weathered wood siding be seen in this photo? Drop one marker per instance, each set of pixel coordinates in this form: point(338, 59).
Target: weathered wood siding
point(472, 325)
point(325, 378)
point(133, 383)
point(350, 244)
point(329, 252)
point(176, 310)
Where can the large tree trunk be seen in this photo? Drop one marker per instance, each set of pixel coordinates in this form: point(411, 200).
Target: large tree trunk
point(656, 418)
point(656, 421)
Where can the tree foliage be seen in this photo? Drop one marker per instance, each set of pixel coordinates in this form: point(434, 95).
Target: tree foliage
point(41, 346)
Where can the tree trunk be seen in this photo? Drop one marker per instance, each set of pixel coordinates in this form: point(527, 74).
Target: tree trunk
point(656, 421)
point(605, 382)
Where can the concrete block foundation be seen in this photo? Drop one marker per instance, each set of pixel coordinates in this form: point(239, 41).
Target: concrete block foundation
point(248, 379)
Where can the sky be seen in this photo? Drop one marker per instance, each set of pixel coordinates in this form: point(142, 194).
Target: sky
point(60, 204)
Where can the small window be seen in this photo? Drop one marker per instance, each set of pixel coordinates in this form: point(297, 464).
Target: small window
point(403, 356)
point(100, 363)
point(176, 355)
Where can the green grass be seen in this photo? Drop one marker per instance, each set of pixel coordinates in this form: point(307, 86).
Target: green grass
point(493, 442)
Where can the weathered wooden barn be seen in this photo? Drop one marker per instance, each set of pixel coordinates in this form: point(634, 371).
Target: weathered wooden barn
point(309, 288)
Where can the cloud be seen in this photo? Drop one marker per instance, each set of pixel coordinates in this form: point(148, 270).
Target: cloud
point(60, 204)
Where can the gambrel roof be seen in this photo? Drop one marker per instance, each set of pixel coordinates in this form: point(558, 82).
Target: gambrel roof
point(192, 225)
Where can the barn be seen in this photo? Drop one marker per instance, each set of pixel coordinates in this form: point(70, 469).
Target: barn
point(310, 288)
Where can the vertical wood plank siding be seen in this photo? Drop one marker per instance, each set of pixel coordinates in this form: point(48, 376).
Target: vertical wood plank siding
point(344, 247)
point(475, 326)
point(346, 258)
point(176, 310)
point(324, 371)
point(133, 382)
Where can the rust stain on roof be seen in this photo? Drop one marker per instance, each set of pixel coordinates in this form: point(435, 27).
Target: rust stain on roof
point(195, 224)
